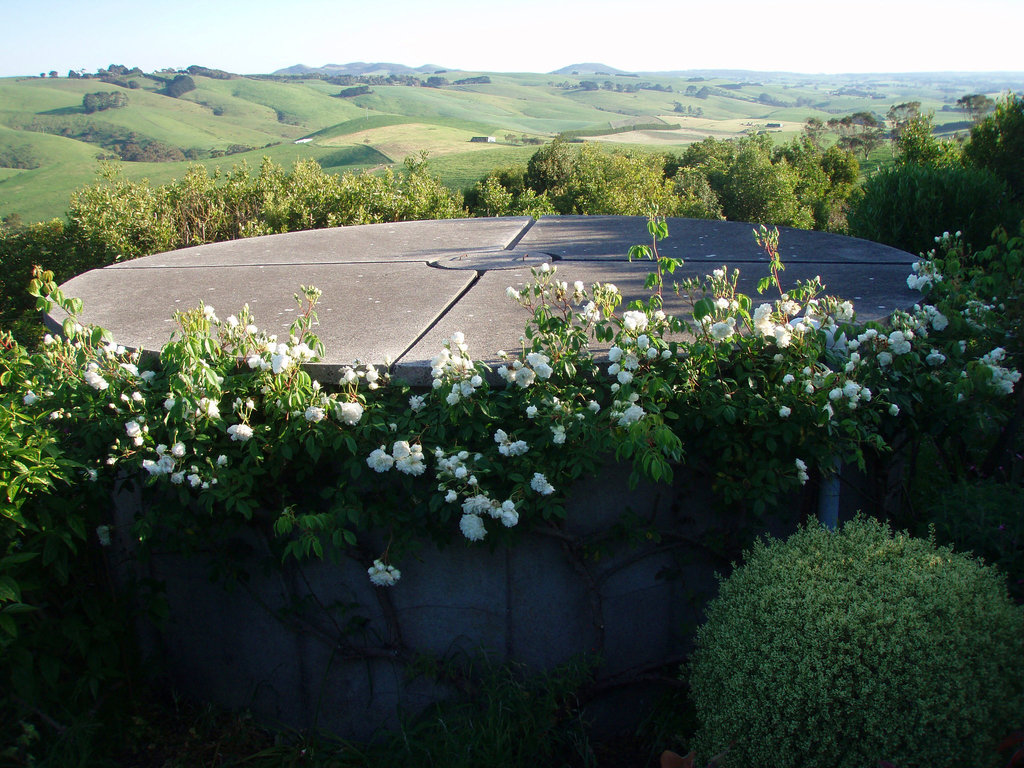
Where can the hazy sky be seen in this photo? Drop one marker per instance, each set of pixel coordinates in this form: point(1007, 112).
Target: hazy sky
point(259, 36)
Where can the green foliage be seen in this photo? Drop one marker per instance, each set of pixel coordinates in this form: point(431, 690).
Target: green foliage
point(511, 719)
point(587, 180)
point(982, 294)
point(62, 631)
point(118, 220)
point(52, 243)
point(915, 143)
point(757, 190)
point(984, 517)
point(697, 200)
point(215, 74)
point(615, 184)
point(905, 206)
point(18, 156)
point(230, 431)
point(975, 106)
point(850, 647)
point(550, 166)
point(97, 102)
point(356, 90)
point(148, 151)
point(824, 180)
point(997, 143)
point(859, 132)
point(179, 86)
point(797, 184)
point(504, 193)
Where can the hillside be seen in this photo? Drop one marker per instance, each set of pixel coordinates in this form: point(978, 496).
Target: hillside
point(362, 116)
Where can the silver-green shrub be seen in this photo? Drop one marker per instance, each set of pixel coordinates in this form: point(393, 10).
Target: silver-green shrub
point(846, 648)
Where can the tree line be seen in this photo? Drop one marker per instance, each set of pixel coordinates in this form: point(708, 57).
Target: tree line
point(800, 184)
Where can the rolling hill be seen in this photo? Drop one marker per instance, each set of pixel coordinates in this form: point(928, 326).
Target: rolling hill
point(50, 145)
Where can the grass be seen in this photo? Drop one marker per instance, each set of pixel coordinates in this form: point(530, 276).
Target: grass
point(400, 141)
point(462, 170)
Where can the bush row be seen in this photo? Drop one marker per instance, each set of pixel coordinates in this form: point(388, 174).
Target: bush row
point(116, 219)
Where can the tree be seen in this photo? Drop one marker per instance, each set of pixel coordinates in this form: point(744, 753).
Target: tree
point(757, 190)
point(899, 115)
point(619, 184)
point(550, 166)
point(697, 200)
point(179, 86)
point(859, 132)
point(997, 143)
point(975, 106)
point(814, 129)
point(53, 73)
point(825, 179)
point(97, 102)
point(355, 90)
point(916, 145)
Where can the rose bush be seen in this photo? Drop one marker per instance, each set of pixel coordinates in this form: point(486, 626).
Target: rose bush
point(760, 396)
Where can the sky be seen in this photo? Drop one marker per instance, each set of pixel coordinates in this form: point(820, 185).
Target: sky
point(260, 36)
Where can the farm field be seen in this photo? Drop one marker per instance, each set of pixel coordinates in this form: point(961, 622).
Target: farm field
point(50, 145)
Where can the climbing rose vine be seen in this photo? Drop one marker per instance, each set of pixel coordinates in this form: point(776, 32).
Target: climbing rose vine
point(227, 425)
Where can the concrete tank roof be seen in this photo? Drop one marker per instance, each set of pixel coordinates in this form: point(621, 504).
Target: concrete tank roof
point(396, 291)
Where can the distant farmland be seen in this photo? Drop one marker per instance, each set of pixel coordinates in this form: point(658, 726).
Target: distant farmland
point(50, 145)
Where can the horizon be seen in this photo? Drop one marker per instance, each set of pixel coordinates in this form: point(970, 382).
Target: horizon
point(893, 37)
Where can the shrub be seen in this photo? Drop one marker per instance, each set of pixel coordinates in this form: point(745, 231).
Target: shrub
point(179, 86)
point(906, 206)
point(19, 156)
point(997, 143)
point(844, 648)
point(756, 189)
point(63, 635)
point(20, 249)
point(983, 516)
point(97, 102)
point(797, 184)
point(697, 199)
point(915, 143)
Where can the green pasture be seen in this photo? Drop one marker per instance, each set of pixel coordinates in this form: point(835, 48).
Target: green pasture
point(461, 170)
point(400, 141)
point(359, 124)
point(42, 193)
point(615, 104)
point(297, 104)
